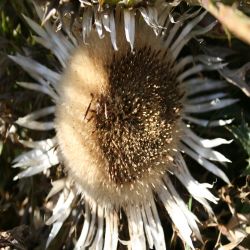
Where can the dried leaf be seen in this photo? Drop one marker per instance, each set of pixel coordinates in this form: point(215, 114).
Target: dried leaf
point(238, 77)
point(232, 18)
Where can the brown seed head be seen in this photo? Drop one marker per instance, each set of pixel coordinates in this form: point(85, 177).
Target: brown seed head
point(136, 117)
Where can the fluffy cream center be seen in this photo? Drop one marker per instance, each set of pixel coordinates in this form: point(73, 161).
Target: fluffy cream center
point(118, 119)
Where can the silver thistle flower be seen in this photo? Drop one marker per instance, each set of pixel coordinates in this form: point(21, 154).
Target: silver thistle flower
point(123, 122)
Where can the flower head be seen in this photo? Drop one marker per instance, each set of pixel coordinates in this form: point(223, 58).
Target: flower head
point(123, 120)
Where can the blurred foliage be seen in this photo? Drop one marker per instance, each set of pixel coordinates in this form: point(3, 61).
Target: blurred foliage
point(21, 203)
point(232, 14)
point(242, 134)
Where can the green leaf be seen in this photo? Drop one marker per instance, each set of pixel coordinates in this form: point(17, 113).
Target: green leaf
point(242, 134)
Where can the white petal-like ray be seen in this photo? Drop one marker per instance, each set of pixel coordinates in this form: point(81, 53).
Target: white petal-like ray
point(190, 217)
point(40, 88)
point(111, 230)
point(58, 224)
point(160, 240)
point(205, 163)
point(150, 16)
point(207, 123)
point(57, 186)
point(29, 121)
point(209, 106)
point(147, 229)
point(47, 15)
point(56, 38)
point(208, 60)
point(163, 18)
point(85, 229)
point(34, 154)
point(182, 63)
point(64, 208)
point(113, 30)
point(86, 23)
point(177, 24)
point(191, 35)
point(36, 169)
point(92, 229)
point(55, 42)
point(206, 143)
point(98, 240)
point(152, 226)
point(45, 145)
point(197, 190)
point(115, 236)
point(198, 85)
point(206, 98)
point(207, 153)
point(198, 68)
point(135, 225)
point(171, 34)
point(98, 24)
point(190, 71)
point(36, 69)
point(106, 21)
point(36, 125)
point(35, 27)
point(35, 161)
point(129, 26)
point(60, 214)
point(187, 30)
point(37, 114)
point(109, 25)
point(176, 214)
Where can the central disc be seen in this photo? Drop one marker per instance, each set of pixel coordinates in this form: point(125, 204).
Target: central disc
point(135, 119)
point(118, 118)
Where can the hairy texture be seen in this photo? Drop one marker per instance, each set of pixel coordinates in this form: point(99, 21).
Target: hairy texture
point(135, 120)
point(118, 117)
